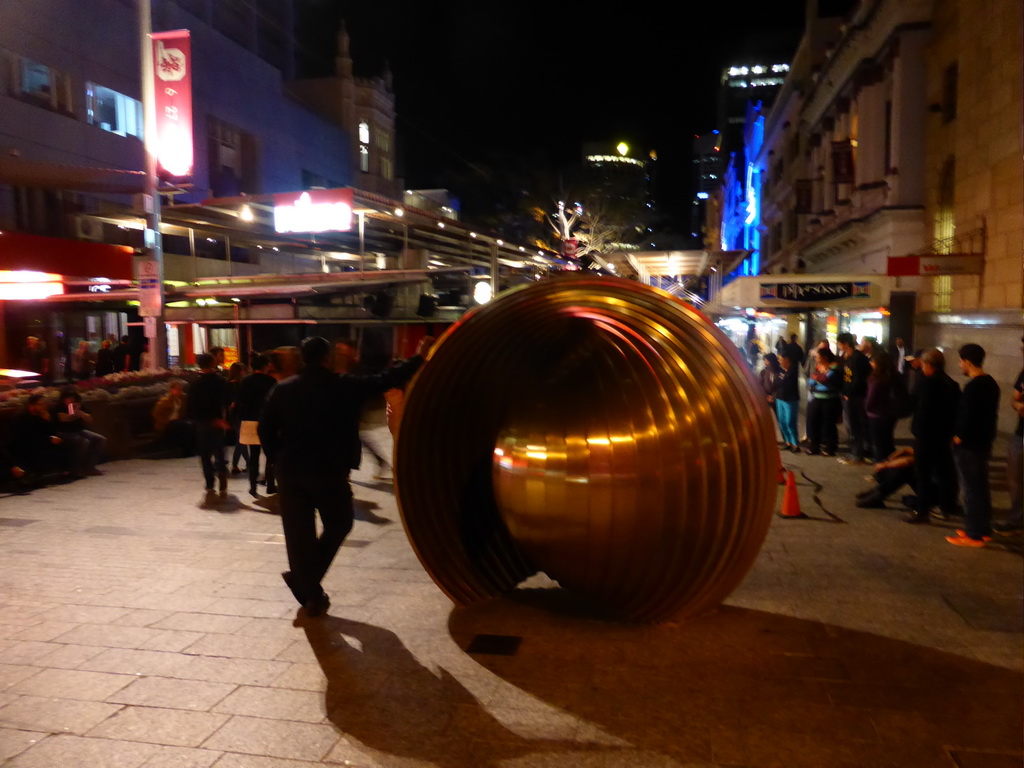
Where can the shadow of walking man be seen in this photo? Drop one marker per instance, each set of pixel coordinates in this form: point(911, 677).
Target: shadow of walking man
point(382, 698)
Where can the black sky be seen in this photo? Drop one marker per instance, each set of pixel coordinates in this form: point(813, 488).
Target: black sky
point(538, 79)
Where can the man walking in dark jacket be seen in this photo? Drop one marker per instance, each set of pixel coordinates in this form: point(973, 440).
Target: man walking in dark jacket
point(795, 352)
point(207, 408)
point(856, 370)
point(972, 446)
point(934, 421)
point(310, 431)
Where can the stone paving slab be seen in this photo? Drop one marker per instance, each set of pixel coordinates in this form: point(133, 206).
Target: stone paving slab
point(140, 628)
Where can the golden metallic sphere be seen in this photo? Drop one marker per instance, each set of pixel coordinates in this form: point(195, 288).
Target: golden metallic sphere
point(597, 430)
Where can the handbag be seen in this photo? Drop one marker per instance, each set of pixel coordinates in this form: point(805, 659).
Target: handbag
point(247, 433)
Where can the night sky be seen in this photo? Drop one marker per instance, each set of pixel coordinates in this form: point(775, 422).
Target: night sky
point(536, 80)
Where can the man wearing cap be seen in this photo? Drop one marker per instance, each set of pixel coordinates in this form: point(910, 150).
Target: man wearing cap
point(310, 431)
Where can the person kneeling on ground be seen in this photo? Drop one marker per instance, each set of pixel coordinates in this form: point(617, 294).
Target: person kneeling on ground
point(890, 475)
point(72, 422)
point(175, 432)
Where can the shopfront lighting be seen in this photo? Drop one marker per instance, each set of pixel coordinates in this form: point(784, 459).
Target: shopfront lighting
point(246, 214)
point(23, 284)
point(482, 292)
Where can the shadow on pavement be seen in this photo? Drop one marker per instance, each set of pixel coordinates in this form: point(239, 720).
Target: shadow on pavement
point(230, 503)
point(364, 510)
point(270, 505)
point(740, 687)
point(379, 695)
point(387, 485)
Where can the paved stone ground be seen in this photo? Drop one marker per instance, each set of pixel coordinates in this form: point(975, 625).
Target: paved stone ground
point(138, 628)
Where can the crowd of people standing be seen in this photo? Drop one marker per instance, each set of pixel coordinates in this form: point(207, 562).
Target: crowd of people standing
point(869, 389)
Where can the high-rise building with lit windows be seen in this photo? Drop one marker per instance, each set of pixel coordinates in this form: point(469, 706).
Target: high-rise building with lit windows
point(619, 178)
point(740, 85)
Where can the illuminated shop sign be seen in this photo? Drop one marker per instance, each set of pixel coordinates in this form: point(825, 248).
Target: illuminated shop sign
point(21, 285)
point(316, 210)
point(172, 85)
point(814, 291)
point(937, 264)
point(613, 159)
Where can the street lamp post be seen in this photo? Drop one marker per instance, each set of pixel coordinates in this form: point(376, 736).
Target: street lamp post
point(151, 267)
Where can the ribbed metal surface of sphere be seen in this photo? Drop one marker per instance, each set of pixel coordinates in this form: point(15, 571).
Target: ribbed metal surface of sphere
point(597, 430)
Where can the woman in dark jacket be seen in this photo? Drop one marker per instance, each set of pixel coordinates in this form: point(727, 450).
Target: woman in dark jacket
point(249, 399)
point(236, 373)
point(769, 374)
point(787, 401)
point(878, 404)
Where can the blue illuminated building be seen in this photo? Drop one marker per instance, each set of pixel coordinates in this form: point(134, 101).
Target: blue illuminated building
point(741, 196)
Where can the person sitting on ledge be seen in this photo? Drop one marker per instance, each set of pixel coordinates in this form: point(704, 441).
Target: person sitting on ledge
point(72, 424)
point(38, 449)
point(12, 476)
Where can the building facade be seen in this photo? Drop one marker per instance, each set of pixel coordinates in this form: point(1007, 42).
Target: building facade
point(893, 153)
point(365, 108)
point(71, 148)
point(974, 181)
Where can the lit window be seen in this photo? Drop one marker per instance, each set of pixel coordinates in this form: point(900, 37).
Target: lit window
point(364, 158)
point(943, 286)
point(45, 85)
point(364, 133)
point(113, 111)
point(35, 79)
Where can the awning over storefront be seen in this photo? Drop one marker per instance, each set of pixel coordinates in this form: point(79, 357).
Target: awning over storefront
point(30, 173)
point(668, 263)
point(805, 292)
point(70, 258)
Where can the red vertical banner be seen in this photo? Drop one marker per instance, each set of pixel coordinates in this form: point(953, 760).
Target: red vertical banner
point(172, 84)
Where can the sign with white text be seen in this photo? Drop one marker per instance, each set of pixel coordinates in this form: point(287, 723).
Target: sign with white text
point(937, 264)
point(172, 84)
point(814, 291)
point(151, 296)
point(315, 210)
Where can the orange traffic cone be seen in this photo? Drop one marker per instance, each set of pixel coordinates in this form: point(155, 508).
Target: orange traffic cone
point(791, 499)
point(782, 474)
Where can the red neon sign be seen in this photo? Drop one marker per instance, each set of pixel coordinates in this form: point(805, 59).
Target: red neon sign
point(172, 84)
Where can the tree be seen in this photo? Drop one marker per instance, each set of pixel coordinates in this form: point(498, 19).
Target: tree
point(599, 230)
